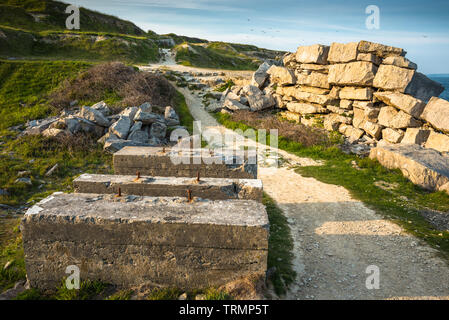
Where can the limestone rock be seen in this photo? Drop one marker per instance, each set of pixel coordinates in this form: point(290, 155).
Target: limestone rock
point(139, 136)
point(437, 114)
point(359, 118)
point(305, 108)
point(373, 129)
point(314, 90)
point(260, 76)
point(312, 54)
point(400, 62)
point(423, 88)
point(380, 49)
point(351, 93)
point(424, 167)
point(403, 120)
point(333, 121)
point(346, 104)
point(313, 98)
point(314, 79)
point(343, 53)
point(359, 73)
point(130, 112)
point(322, 68)
point(94, 116)
point(106, 137)
point(281, 75)
point(103, 108)
point(403, 102)
point(415, 136)
point(392, 136)
point(158, 130)
point(171, 117)
point(291, 116)
point(53, 132)
point(352, 133)
point(148, 117)
point(256, 99)
point(438, 142)
point(146, 107)
point(289, 60)
point(370, 57)
point(121, 127)
point(234, 105)
point(114, 145)
point(393, 78)
point(386, 116)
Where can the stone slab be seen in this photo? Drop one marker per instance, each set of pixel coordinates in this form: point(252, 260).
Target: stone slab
point(133, 240)
point(424, 167)
point(153, 161)
point(206, 188)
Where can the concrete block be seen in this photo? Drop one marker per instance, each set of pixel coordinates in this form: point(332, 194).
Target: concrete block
point(206, 188)
point(135, 240)
point(153, 161)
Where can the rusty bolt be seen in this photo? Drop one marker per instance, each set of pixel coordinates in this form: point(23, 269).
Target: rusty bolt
point(119, 192)
point(189, 195)
point(198, 177)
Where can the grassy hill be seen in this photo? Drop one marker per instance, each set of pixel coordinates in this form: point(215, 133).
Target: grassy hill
point(223, 55)
point(42, 15)
point(33, 29)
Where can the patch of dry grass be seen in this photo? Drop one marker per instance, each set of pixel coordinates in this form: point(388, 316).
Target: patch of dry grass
point(306, 136)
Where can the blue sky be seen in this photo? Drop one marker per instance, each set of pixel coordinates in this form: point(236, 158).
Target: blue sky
point(420, 27)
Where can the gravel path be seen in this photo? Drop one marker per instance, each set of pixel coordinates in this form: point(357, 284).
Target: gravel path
point(336, 238)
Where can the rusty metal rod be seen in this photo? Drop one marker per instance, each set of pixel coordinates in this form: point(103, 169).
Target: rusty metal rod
point(189, 195)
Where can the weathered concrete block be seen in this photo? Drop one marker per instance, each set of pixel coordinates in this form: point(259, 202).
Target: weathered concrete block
point(153, 161)
point(424, 167)
point(206, 188)
point(131, 240)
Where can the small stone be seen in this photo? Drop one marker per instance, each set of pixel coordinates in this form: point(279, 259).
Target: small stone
point(8, 264)
point(183, 296)
point(24, 180)
point(52, 170)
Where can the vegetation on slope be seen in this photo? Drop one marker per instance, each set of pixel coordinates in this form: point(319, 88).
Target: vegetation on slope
point(221, 55)
point(41, 15)
point(24, 87)
point(16, 43)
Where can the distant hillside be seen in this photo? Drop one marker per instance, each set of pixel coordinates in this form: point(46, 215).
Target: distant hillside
point(44, 15)
point(35, 29)
point(223, 55)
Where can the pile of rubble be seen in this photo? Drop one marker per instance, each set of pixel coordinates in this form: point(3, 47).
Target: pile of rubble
point(134, 126)
point(369, 92)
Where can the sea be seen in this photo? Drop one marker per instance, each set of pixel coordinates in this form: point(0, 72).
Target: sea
point(444, 80)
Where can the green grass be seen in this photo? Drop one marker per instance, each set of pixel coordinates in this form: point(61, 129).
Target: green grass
point(24, 86)
point(17, 13)
point(402, 204)
point(280, 246)
point(10, 251)
point(121, 295)
point(37, 154)
point(182, 110)
point(215, 55)
point(74, 45)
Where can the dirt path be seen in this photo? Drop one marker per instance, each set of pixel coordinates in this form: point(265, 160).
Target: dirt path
point(336, 238)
